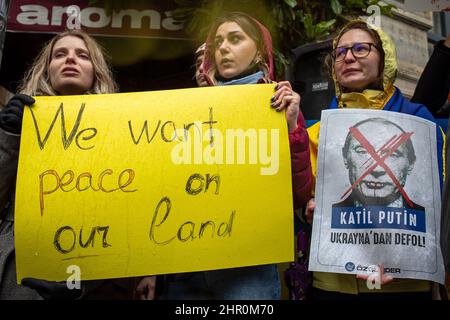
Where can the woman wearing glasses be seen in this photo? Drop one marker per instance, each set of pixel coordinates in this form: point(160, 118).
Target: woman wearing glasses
point(364, 67)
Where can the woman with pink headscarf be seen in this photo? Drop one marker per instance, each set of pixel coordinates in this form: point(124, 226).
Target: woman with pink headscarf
point(239, 51)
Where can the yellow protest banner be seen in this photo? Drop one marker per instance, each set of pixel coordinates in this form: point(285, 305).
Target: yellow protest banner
point(152, 183)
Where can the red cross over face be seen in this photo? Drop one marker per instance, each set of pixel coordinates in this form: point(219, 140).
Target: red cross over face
point(378, 163)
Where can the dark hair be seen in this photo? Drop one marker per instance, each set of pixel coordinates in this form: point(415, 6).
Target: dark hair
point(250, 27)
point(246, 22)
point(411, 154)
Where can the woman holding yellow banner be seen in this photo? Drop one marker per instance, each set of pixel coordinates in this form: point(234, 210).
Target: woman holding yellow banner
point(71, 63)
point(239, 51)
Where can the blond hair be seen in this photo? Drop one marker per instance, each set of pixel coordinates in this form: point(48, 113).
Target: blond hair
point(36, 81)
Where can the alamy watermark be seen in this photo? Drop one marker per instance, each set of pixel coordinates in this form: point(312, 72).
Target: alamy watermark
point(374, 18)
point(235, 146)
point(74, 280)
point(73, 17)
point(374, 279)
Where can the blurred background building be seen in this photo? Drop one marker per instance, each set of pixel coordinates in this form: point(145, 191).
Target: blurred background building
point(149, 50)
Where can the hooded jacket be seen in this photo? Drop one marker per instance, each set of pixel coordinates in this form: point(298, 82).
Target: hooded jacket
point(390, 99)
point(298, 139)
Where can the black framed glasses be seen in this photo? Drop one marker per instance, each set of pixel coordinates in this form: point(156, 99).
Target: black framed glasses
point(359, 50)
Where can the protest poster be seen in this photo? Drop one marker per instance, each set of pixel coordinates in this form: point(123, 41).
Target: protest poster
point(377, 195)
point(136, 184)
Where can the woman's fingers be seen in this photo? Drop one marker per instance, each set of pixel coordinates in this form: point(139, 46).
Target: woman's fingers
point(283, 84)
point(283, 100)
point(283, 90)
point(146, 288)
point(290, 99)
point(286, 98)
point(309, 213)
point(378, 275)
point(383, 280)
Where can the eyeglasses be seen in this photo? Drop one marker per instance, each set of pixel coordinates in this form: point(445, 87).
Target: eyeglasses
point(359, 50)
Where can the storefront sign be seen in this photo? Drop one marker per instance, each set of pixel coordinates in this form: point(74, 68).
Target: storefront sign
point(140, 19)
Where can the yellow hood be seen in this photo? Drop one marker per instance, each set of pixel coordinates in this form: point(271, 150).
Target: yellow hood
point(389, 73)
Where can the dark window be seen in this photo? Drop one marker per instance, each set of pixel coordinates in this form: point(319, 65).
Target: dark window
point(440, 30)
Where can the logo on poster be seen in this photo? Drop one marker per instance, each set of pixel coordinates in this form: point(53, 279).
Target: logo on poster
point(349, 266)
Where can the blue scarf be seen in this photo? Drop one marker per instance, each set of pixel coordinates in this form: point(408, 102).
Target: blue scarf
point(250, 79)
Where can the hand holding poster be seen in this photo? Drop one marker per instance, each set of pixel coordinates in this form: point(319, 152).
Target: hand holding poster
point(377, 195)
point(151, 183)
